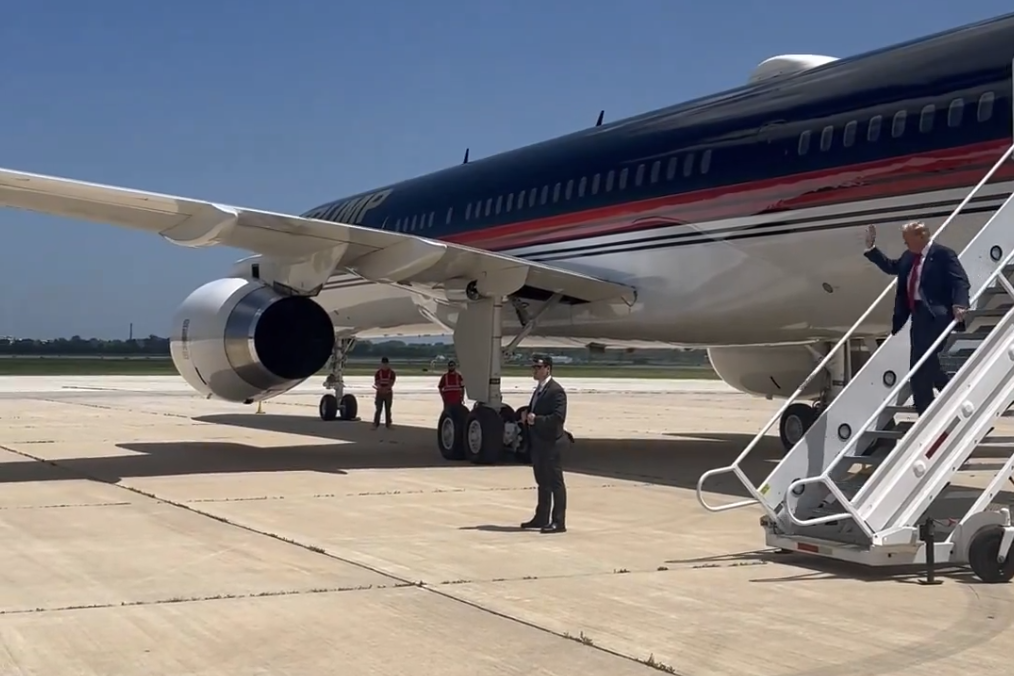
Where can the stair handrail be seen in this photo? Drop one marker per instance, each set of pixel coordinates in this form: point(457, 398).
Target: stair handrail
point(734, 466)
point(825, 476)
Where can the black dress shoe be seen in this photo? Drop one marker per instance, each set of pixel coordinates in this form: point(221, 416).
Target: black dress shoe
point(554, 528)
point(534, 523)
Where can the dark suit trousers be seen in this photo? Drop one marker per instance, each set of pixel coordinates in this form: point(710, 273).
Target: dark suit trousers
point(548, 467)
point(924, 330)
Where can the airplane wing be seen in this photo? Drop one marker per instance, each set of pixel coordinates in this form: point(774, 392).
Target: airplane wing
point(377, 255)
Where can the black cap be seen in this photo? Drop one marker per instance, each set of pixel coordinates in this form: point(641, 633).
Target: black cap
point(384, 360)
point(542, 361)
point(452, 363)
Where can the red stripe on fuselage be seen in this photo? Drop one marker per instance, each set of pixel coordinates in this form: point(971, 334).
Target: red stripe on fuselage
point(911, 174)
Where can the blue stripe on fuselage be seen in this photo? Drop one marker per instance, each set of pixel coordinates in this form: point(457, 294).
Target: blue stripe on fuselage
point(749, 134)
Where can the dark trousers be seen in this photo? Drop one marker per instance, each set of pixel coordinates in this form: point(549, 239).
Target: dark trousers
point(548, 467)
point(925, 329)
point(383, 401)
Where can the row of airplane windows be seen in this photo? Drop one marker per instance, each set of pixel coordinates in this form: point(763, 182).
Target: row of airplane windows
point(927, 119)
point(573, 189)
point(620, 180)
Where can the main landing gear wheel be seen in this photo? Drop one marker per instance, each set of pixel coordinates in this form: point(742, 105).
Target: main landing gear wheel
point(984, 555)
point(331, 408)
point(451, 432)
point(523, 454)
point(796, 419)
point(484, 436)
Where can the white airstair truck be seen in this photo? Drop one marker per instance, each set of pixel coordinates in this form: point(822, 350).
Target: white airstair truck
point(867, 486)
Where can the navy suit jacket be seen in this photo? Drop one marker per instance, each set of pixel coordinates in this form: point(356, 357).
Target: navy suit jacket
point(942, 282)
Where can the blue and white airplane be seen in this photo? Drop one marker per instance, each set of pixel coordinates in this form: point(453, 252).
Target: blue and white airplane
point(733, 221)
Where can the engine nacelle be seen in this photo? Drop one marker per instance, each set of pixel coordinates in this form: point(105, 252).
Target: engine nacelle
point(767, 370)
point(786, 64)
point(240, 340)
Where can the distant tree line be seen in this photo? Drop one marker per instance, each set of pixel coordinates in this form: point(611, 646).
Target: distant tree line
point(364, 349)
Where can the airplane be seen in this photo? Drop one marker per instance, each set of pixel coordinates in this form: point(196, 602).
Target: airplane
point(734, 221)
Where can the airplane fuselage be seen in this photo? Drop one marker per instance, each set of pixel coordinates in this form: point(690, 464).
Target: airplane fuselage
point(738, 217)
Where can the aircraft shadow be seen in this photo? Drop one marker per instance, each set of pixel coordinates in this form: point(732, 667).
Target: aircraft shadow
point(677, 460)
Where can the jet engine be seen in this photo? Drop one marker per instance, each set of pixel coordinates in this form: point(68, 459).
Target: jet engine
point(786, 64)
point(240, 340)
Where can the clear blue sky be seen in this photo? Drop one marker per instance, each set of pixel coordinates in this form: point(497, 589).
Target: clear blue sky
point(286, 105)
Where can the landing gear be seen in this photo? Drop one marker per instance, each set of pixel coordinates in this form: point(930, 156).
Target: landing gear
point(341, 405)
point(451, 432)
point(491, 429)
point(796, 419)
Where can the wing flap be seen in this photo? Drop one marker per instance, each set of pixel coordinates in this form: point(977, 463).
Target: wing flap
point(378, 255)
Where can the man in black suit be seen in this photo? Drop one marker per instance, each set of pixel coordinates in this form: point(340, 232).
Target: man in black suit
point(933, 290)
point(547, 413)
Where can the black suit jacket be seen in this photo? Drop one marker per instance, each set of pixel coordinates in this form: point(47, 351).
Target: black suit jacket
point(550, 411)
point(942, 282)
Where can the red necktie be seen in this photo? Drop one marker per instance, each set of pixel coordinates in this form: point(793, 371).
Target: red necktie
point(912, 280)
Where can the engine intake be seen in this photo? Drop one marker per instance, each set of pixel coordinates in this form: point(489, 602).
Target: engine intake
point(240, 340)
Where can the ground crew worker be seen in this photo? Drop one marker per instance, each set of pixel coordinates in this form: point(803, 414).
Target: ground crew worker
point(383, 383)
point(451, 386)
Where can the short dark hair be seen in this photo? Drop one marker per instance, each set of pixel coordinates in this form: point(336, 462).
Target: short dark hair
point(384, 360)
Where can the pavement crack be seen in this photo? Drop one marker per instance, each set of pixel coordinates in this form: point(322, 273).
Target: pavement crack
point(193, 599)
point(399, 581)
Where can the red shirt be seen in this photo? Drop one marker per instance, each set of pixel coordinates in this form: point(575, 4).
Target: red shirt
point(384, 379)
point(452, 388)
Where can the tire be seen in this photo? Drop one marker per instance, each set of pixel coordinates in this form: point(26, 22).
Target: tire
point(982, 556)
point(483, 436)
point(328, 407)
point(349, 407)
point(796, 419)
point(523, 454)
point(451, 432)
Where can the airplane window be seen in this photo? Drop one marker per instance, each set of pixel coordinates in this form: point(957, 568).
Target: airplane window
point(639, 176)
point(411, 225)
point(510, 202)
point(706, 161)
point(429, 221)
point(450, 213)
point(873, 130)
point(609, 180)
point(521, 199)
point(478, 209)
point(556, 193)
point(804, 143)
point(489, 205)
point(499, 203)
point(468, 211)
point(581, 186)
point(570, 189)
point(656, 169)
point(545, 194)
point(898, 124)
point(688, 164)
point(926, 118)
point(531, 197)
point(985, 107)
point(397, 224)
point(849, 135)
point(623, 178)
point(955, 112)
point(670, 170)
point(595, 183)
point(826, 137)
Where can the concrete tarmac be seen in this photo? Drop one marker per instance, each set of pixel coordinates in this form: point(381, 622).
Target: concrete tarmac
point(147, 531)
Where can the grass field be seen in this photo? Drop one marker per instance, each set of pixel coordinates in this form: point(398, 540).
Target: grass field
point(71, 366)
